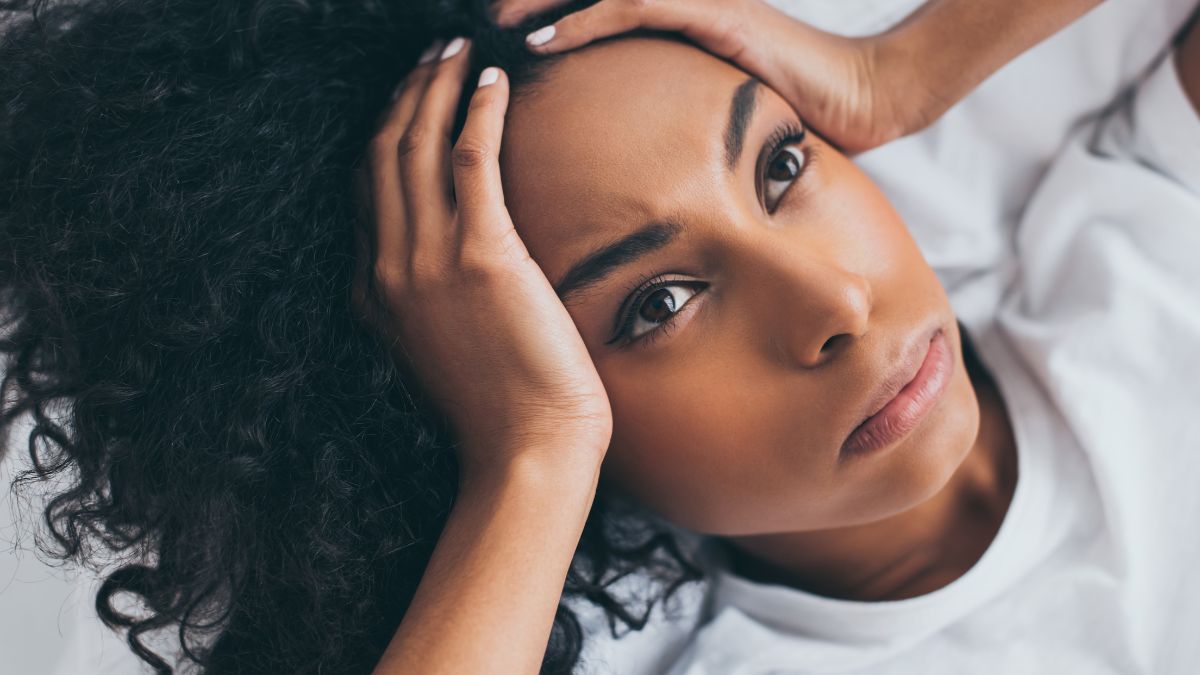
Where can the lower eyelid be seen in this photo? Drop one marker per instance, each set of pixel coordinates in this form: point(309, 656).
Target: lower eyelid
point(810, 156)
point(677, 320)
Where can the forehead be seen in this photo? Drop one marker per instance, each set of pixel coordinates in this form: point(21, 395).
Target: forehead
point(617, 134)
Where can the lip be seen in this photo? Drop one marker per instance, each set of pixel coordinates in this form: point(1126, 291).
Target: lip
point(904, 398)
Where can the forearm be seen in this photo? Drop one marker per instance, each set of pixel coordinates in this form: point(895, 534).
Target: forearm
point(487, 601)
point(948, 47)
point(1187, 62)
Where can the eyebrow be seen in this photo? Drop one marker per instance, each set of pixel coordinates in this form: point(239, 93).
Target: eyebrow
point(740, 111)
point(598, 265)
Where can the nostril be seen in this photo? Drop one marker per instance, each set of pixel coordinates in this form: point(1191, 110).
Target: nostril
point(833, 342)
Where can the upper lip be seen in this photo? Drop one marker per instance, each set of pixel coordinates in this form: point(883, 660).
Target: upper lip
point(909, 361)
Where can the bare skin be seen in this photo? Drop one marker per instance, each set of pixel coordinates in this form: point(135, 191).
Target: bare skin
point(1187, 62)
point(794, 291)
point(532, 437)
point(933, 544)
point(808, 303)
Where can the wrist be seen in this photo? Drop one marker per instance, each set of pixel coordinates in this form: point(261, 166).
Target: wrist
point(910, 82)
point(1187, 63)
point(551, 469)
point(858, 92)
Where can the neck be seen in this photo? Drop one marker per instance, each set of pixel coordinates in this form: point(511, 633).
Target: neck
point(911, 553)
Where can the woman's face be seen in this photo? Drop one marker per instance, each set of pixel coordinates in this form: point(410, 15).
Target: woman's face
point(791, 286)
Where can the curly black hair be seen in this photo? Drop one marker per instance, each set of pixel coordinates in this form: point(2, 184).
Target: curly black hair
point(177, 213)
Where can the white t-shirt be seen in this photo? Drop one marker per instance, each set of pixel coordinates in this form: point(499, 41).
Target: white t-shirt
point(1096, 349)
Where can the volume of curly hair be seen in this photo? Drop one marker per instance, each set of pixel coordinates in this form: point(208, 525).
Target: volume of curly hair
point(177, 222)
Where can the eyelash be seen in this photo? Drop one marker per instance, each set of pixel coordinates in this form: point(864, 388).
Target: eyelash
point(787, 134)
point(644, 290)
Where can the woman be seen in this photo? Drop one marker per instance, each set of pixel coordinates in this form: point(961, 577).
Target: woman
point(761, 467)
point(295, 518)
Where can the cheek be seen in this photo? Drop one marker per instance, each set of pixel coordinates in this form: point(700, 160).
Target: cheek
point(713, 453)
point(671, 448)
point(845, 214)
point(709, 457)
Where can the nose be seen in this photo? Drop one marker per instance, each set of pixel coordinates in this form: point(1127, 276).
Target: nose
point(817, 307)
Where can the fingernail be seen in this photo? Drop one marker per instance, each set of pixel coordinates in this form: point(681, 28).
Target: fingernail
point(430, 52)
point(540, 36)
point(453, 48)
point(489, 76)
point(396, 92)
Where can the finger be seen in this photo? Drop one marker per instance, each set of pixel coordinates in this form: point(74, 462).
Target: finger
point(603, 19)
point(717, 27)
point(407, 94)
point(476, 159)
point(387, 195)
point(425, 167)
point(508, 13)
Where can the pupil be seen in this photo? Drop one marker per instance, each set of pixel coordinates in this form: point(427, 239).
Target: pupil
point(657, 301)
point(785, 167)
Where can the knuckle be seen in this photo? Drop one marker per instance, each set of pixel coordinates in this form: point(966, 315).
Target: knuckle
point(485, 270)
point(389, 279)
point(639, 6)
point(430, 269)
point(411, 142)
point(470, 154)
point(476, 271)
point(477, 261)
point(730, 36)
point(426, 273)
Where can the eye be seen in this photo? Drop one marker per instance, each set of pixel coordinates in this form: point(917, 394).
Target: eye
point(654, 308)
point(781, 171)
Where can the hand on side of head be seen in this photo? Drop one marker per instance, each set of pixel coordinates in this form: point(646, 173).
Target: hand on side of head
point(452, 288)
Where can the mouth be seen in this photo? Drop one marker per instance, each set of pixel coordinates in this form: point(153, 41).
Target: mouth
point(903, 398)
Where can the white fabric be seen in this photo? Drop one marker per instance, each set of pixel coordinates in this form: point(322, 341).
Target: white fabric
point(1094, 348)
point(963, 186)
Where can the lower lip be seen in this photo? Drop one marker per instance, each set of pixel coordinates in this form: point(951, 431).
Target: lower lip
point(904, 412)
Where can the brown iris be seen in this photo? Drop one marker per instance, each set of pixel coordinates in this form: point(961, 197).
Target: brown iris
point(784, 167)
point(660, 303)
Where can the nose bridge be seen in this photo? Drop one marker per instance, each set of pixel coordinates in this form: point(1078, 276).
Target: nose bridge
point(811, 304)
